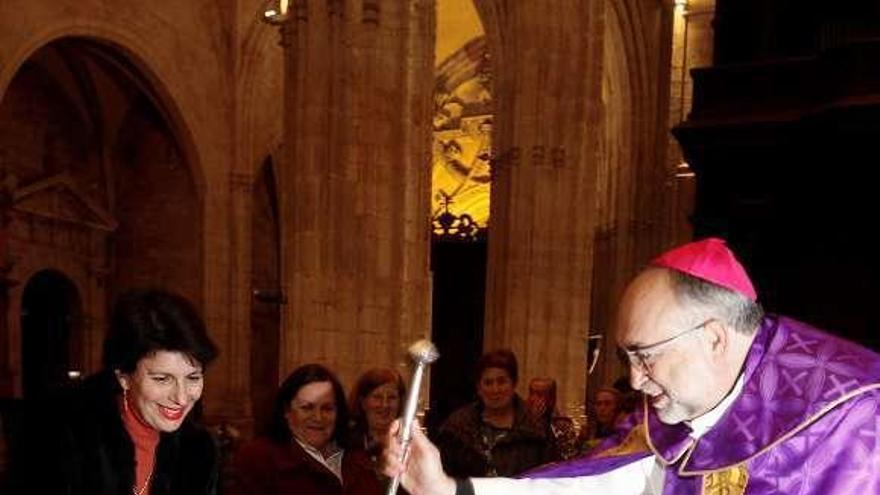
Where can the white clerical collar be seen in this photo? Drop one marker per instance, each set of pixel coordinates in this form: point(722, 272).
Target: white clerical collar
point(704, 423)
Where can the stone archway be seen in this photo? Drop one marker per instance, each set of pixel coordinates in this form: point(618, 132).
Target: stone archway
point(158, 240)
point(100, 183)
point(51, 311)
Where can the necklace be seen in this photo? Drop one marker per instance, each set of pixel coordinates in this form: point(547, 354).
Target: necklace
point(491, 435)
point(143, 489)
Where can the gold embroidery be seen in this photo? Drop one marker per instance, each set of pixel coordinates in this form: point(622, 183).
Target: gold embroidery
point(634, 442)
point(730, 481)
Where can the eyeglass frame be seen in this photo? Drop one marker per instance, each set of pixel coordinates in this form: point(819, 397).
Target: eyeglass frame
point(636, 354)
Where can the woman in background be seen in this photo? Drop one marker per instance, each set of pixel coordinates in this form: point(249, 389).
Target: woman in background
point(305, 451)
point(606, 413)
point(494, 436)
point(560, 429)
point(376, 401)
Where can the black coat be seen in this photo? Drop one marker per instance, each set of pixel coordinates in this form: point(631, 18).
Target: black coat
point(76, 444)
point(463, 447)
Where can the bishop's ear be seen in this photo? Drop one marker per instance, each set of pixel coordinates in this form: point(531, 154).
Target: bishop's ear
point(716, 332)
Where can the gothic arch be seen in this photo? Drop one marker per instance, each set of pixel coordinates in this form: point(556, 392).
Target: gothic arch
point(60, 217)
point(260, 91)
point(53, 268)
point(132, 49)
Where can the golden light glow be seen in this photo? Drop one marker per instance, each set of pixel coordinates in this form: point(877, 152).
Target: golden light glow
point(462, 114)
point(461, 170)
point(457, 24)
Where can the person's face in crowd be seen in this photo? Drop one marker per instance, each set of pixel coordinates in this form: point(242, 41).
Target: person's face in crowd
point(539, 397)
point(496, 389)
point(312, 414)
point(163, 388)
point(607, 407)
point(381, 407)
point(674, 359)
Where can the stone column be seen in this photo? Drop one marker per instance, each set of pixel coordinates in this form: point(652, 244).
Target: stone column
point(355, 181)
point(548, 79)
point(234, 405)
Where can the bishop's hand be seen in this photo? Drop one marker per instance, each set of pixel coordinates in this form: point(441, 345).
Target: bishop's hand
point(421, 473)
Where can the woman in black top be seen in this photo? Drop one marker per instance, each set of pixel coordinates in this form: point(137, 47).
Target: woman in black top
point(128, 429)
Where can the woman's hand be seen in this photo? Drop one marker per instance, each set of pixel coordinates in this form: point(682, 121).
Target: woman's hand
point(421, 473)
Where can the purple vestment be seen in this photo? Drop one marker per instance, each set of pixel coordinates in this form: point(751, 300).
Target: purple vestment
point(806, 422)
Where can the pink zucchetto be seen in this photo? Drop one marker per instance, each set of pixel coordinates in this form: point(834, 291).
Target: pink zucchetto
point(709, 260)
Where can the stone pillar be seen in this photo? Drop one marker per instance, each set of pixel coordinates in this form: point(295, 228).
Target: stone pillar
point(547, 86)
point(355, 181)
point(234, 405)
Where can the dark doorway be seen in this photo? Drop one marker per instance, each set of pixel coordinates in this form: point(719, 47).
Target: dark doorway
point(266, 297)
point(459, 293)
point(50, 312)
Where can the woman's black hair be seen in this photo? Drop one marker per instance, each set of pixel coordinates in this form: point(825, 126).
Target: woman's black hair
point(279, 431)
point(148, 321)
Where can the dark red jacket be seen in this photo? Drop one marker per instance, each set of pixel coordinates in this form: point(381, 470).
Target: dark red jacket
point(264, 467)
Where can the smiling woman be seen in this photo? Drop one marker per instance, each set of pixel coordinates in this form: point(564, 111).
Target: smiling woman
point(376, 401)
point(494, 436)
point(163, 389)
point(127, 429)
point(306, 449)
